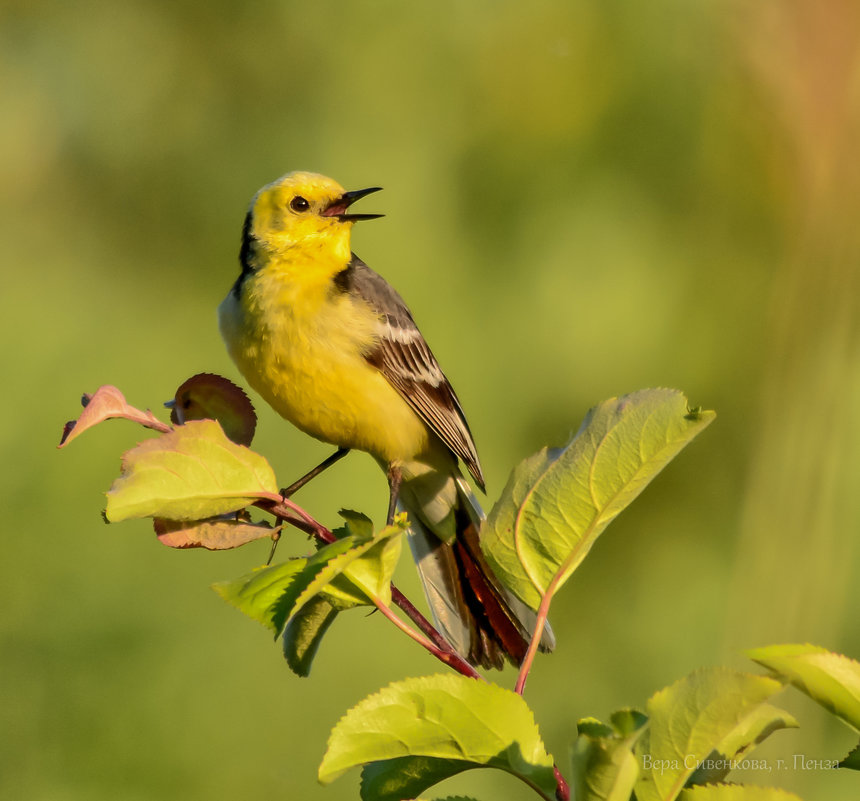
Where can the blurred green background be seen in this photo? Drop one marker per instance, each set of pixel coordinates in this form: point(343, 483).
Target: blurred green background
point(583, 198)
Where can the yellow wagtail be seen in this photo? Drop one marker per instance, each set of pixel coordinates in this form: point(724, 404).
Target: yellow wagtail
point(334, 349)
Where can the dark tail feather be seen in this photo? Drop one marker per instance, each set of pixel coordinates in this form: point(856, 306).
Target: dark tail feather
point(498, 634)
point(481, 619)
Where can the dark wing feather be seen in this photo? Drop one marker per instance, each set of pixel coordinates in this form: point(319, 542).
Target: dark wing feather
point(406, 360)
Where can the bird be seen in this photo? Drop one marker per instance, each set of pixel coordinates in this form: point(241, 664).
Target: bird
point(332, 347)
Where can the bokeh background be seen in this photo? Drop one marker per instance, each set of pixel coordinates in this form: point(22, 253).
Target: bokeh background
point(583, 199)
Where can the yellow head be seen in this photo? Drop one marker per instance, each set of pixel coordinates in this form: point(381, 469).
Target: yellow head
point(303, 209)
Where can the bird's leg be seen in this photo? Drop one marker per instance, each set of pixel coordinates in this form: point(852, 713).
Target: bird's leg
point(395, 478)
point(297, 485)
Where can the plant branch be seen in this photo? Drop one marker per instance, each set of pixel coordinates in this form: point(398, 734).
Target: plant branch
point(562, 790)
point(290, 513)
point(434, 642)
point(540, 624)
point(446, 653)
point(446, 656)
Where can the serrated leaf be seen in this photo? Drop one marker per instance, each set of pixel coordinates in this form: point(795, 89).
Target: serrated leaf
point(830, 679)
point(852, 760)
point(258, 594)
point(348, 574)
point(207, 396)
point(557, 502)
point(371, 571)
point(304, 632)
point(405, 777)
point(709, 716)
point(444, 717)
point(357, 524)
point(736, 792)
point(215, 534)
point(269, 594)
point(362, 574)
point(604, 766)
point(321, 569)
point(191, 473)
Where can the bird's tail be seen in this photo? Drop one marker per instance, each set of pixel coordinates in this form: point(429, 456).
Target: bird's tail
point(484, 622)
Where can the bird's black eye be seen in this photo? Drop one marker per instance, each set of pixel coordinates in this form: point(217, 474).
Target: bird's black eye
point(298, 203)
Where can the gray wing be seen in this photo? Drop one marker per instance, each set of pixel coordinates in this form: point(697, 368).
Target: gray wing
point(406, 360)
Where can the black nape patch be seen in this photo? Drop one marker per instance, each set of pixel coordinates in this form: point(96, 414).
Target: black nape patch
point(344, 280)
point(246, 254)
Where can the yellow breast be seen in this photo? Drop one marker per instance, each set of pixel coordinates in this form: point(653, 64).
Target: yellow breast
point(301, 347)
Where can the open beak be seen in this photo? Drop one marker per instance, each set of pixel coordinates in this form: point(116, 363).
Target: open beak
point(337, 208)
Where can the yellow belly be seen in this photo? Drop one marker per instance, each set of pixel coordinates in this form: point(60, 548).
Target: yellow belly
point(304, 355)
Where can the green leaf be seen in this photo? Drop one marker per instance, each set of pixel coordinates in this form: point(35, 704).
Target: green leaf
point(269, 594)
point(593, 728)
point(627, 721)
point(192, 473)
point(304, 633)
point(357, 524)
point(736, 792)
point(258, 594)
point(852, 761)
point(603, 770)
point(604, 766)
point(357, 576)
point(369, 567)
point(557, 502)
point(702, 723)
point(830, 679)
point(347, 574)
point(755, 727)
point(442, 717)
point(324, 566)
point(405, 777)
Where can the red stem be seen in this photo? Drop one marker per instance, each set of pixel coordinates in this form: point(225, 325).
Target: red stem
point(447, 654)
point(540, 623)
point(562, 791)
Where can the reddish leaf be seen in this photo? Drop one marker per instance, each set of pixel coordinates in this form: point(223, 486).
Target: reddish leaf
point(206, 396)
point(215, 534)
point(107, 403)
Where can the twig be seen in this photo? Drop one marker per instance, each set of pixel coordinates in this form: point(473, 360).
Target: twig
point(443, 655)
point(562, 790)
point(290, 513)
point(540, 623)
point(453, 659)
